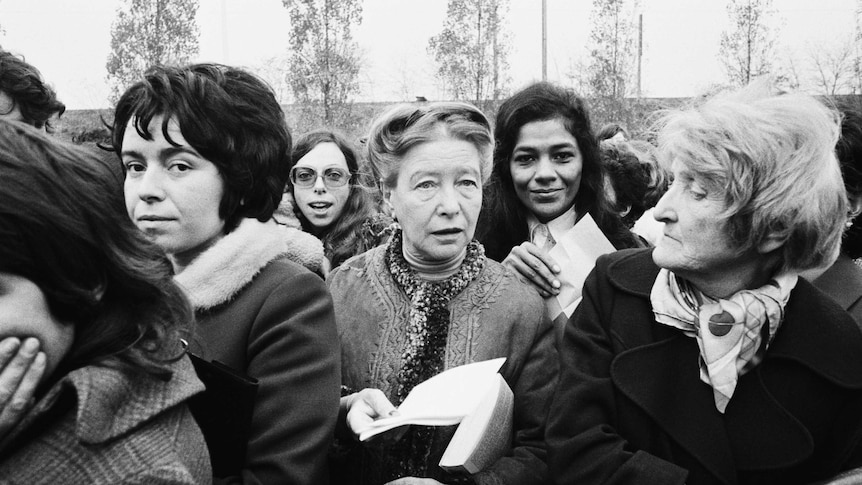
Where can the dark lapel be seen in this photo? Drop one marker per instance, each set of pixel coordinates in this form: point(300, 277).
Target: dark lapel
point(659, 373)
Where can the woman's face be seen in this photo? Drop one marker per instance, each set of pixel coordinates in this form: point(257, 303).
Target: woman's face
point(546, 168)
point(320, 204)
point(696, 244)
point(437, 197)
point(172, 192)
point(24, 313)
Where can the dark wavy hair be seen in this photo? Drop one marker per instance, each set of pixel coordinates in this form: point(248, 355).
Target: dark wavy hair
point(24, 85)
point(638, 181)
point(341, 239)
point(231, 117)
point(63, 226)
point(503, 222)
point(849, 152)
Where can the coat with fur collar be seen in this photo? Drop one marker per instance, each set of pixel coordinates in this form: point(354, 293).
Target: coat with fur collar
point(267, 317)
point(630, 407)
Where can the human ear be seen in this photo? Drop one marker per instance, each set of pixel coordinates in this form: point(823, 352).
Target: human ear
point(771, 242)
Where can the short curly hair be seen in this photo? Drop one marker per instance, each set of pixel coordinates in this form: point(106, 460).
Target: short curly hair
point(229, 116)
point(24, 85)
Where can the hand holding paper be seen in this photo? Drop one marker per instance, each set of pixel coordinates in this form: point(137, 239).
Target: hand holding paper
point(576, 253)
point(444, 399)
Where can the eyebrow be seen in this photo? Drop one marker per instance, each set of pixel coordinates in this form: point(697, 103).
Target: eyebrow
point(558, 146)
point(458, 171)
point(164, 153)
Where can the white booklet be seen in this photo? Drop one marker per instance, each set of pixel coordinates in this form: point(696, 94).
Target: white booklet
point(576, 253)
point(442, 400)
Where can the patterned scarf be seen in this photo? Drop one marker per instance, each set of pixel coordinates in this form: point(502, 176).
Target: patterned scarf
point(427, 331)
point(732, 333)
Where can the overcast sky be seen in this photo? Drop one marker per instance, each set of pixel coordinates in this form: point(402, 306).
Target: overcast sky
point(69, 40)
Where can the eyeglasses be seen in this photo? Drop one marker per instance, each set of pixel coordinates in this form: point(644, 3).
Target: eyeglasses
point(306, 177)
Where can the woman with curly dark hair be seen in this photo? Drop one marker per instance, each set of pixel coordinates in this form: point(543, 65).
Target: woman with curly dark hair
point(24, 95)
point(330, 199)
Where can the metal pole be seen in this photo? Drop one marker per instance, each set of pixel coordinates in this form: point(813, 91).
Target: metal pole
point(640, 49)
point(544, 40)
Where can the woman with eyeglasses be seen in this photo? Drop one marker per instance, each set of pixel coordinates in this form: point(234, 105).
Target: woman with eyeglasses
point(329, 200)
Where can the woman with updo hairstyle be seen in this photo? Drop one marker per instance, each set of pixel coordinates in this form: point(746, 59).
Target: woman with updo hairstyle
point(430, 300)
point(330, 199)
point(94, 383)
point(708, 359)
point(547, 175)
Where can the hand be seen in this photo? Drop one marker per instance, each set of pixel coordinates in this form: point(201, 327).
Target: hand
point(533, 265)
point(22, 368)
point(366, 406)
point(414, 481)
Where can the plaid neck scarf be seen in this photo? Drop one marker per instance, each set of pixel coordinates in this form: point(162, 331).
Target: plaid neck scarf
point(732, 333)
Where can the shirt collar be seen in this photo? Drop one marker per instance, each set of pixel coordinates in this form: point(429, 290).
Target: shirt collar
point(557, 226)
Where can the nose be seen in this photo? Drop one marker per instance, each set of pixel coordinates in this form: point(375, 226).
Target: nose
point(319, 186)
point(545, 171)
point(150, 185)
point(664, 210)
point(448, 204)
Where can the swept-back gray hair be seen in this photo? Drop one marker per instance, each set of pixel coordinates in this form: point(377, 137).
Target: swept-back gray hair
point(401, 128)
point(773, 157)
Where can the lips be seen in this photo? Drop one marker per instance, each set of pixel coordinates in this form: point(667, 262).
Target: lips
point(152, 218)
point(545, 191)
point(320, 205)
point(546, 194)
point(447, 232)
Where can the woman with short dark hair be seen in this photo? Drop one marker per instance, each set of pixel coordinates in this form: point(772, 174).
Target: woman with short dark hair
point(206, 153)
point(90, 307)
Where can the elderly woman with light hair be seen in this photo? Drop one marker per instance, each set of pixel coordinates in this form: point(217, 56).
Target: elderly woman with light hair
point(707, 359)
point(430, 300)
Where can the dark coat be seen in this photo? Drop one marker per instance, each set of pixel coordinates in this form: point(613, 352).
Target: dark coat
point(630, 407)
point(843, 283)
point(271, 319)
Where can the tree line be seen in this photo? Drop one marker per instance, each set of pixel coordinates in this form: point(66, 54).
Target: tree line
point(320, 71)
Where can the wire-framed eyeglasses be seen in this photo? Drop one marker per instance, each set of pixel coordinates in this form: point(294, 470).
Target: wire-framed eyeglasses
point(306, 177)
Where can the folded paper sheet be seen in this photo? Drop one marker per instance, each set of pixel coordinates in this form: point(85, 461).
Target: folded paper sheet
point(442, 400)
point(576, 252)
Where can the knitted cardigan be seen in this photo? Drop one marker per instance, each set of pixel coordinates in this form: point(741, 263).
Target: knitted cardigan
point(495, 316)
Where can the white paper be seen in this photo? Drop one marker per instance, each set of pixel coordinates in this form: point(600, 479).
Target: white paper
point(576, 253)
point(443, 399)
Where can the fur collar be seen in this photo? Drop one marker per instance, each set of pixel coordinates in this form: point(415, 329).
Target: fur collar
point(224, 269)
